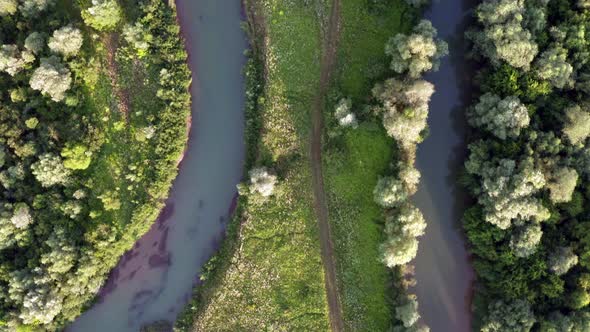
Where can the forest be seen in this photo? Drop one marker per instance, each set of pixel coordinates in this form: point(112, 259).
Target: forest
point(528, 165)
point(94, 106)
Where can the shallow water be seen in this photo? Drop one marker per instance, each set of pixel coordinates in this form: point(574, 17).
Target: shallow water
point(154, 280)
point(442, 267)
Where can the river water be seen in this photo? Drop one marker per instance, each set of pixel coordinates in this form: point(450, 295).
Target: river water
point(154, 280)
point(442, 268)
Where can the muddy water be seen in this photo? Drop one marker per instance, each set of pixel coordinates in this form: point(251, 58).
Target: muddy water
point(442, 268)
point(154, 280)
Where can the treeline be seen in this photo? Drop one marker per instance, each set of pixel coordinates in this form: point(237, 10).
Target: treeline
point(528, 165)
point(83, 173)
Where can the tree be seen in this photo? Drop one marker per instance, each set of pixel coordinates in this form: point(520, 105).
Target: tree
point(552, 65)
point(577, 125)
point(525, 239)
point(502, 117)
point(507, 188)
point(35, 42)
point(2, 155)
point(33, 290)
point(577, 321)
point(408, 312)
point(561, 260)
point(398, 250)
point(7, 233)
point(30, 8)
point(138, 37)
point(389, 192)
point(51, 78)
point(408, 220)
point(344, 114)
point(66, 41)
point(103, 15)
point(402, 228)
point(409, 176)
point(76, 156)
point(262, 182)
point(8, 7)
point(110, 200)
point(535, 16)
point(562, 183)
point(12, 61)
point(22, 216)
point(578, 299)
point(49, 170)
point(62, 255)
point(404, 105)
point(503, 35)
point(418, 52)
point(515, 316)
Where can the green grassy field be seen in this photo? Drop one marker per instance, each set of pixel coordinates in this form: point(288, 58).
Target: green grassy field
point(354, 160)
point(274, 277)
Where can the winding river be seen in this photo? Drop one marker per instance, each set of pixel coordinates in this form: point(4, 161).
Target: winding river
point(442, 268)
point(153, 281)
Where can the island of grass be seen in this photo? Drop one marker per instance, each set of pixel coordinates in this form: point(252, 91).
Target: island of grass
point(93, 109)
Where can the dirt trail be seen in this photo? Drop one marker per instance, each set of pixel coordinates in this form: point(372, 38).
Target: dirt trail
point(327, 248)
point(111, 41)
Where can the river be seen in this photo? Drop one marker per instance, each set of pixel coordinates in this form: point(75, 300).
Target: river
point(153, 281)
point(442, 268)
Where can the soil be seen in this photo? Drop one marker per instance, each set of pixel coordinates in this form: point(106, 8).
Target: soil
point(111, 42)
point(328, 62)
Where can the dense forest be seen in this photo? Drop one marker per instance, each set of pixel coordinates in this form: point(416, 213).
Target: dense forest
point(528, 165)
point(93, 109)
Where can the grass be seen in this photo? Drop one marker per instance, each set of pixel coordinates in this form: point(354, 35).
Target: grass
point(362, 59)
point(274, 277)
point(351, 175)
point(354, 160)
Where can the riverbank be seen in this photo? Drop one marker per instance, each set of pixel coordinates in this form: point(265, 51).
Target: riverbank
point(163, 265)
point(88, 164)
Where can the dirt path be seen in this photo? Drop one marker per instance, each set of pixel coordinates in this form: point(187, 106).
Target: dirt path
point(111, 41)
point(327, 248)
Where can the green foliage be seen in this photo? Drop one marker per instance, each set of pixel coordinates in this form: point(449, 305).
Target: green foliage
point(62, 231)
point(515, 316)
point(103, 15)
point(418, 52)
point(528, 230)
point(8, 7)
point(76, 157)
point(503, 35)
point(66, 41)
point(502, 117)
